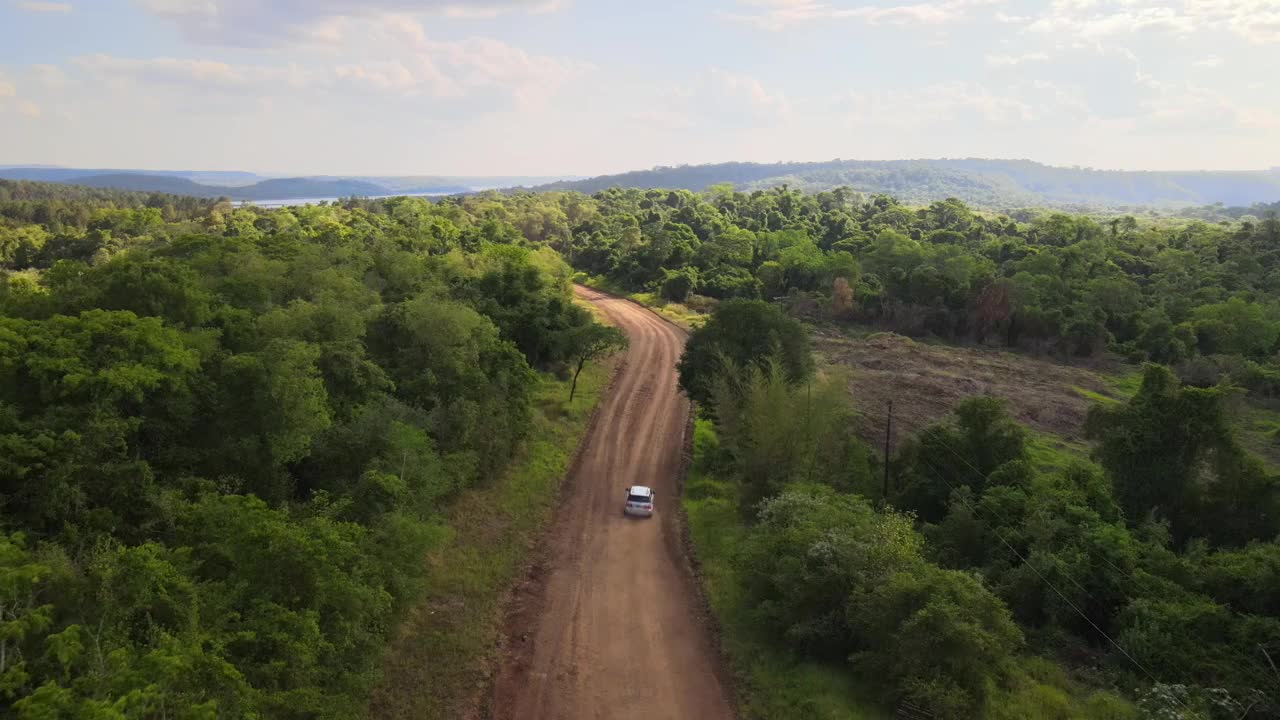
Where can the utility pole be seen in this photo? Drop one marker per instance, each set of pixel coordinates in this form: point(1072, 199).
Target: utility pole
point(888, 433)
point(808, 423)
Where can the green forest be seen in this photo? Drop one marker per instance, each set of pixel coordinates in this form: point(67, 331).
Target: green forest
point(1185, 292)
point(228, 432)
point(226, 436)
point(974, 582)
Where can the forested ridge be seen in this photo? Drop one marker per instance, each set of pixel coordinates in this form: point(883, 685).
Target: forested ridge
point(226, 436)
point(988, 183)
point(227, 432)
point(240, 186)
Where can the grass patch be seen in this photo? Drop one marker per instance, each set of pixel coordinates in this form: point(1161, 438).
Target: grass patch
point(680, 314)
point(772, 683)
point(1041, 689)
point(600, 282)
point(677, 313)
point(1125, 386)
point(1255, 422)
point(1096, 397)
point(1258, 428)
point(446, 644)
point(1051, 453)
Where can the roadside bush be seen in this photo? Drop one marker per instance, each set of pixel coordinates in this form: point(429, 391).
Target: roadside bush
point(743, 333)
point(774, 433)
point(940, 635)
point(834, 578)
point(679, 284)
point(811, 549)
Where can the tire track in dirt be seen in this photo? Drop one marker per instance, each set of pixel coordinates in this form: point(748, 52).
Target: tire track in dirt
point(610, 626)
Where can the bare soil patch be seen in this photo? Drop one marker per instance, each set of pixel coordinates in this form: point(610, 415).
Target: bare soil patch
point(926, 381)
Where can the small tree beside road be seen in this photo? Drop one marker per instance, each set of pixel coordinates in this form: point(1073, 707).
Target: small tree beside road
point(588, 342)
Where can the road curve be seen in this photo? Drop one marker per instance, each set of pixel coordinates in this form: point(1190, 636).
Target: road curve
point(608, 626)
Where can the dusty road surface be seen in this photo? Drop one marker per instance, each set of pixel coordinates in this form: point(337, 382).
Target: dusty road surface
point(608, 626)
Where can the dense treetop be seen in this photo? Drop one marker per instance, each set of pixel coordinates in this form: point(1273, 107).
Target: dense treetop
point(1195, 294)
point(1144, 583)
point(226, 434)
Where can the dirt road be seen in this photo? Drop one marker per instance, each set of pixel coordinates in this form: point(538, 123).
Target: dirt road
point(608, 625)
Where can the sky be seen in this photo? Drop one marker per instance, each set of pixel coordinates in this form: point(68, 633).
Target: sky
point(585, 87)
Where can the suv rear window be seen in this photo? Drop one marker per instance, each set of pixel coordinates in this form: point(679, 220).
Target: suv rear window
point(638, 498)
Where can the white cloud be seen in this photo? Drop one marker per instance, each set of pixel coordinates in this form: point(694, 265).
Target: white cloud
point(780, 14)
point(389, 76)
point(1014, 60)
point(670, 120)
point(1255, 20)
point(485, 63)
point(459, 67)
point(1189, 107)
point(253, 23)
point(1062, 99)
point(45, 7)
point(1128, 20)
point(196, 74)
point(715, 98)
point(937, 104)
point(752, 91)
point(1211, 61)
point(397, 59)
point(495, 9)
point(9, 99)
point(49, 76)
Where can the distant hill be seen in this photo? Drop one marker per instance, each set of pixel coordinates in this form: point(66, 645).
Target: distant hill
point(987, 183)
point(20, 191)
point(236, 185)
point(275, 189)
point(143, 183)
point(61, 174)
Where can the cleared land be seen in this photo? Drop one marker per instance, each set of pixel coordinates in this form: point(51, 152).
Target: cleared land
point(926, 380)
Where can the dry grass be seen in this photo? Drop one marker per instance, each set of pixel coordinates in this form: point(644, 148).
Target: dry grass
point(926, 381)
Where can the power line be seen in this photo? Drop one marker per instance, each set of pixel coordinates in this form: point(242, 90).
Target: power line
point(1258, 671)
point(1042, 577)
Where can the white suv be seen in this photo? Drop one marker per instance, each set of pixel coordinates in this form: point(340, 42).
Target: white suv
point(639, 501)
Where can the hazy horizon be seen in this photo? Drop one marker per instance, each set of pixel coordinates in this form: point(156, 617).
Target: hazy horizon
point(571, 87)
point(448, 175)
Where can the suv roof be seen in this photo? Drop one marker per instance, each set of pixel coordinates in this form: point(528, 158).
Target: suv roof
point(640, 490)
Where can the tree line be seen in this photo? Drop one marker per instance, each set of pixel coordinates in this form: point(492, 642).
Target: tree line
point(1195, 295)
point(989, 183)
point(227, 434)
